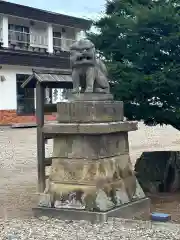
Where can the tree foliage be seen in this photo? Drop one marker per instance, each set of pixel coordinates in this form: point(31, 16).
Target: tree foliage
point(140, 41)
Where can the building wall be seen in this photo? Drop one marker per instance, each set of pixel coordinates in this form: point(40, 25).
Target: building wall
point(8, 87)
point(9, 117)
point(8, 100)
point(40, 35)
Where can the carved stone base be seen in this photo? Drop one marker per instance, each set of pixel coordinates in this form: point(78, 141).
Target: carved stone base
point(92, 172)
point(102, 196)
point(91, 168)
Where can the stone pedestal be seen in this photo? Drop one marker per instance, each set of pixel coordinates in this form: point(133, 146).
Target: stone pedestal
point(91, 169)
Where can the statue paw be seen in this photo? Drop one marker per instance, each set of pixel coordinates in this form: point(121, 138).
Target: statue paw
point(75, 90)
point(98, 90)
point(89, 90)
point(101, 90)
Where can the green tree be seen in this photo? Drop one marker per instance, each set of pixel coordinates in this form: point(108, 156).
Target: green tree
point(140, 41)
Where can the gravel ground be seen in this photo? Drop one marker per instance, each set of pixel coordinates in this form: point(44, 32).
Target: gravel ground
point(52, 229)
point(18, 188)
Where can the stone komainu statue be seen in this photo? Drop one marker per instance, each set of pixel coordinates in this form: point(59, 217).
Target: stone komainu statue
point(88, 73)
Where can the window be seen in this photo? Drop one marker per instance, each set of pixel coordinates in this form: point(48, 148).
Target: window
point(57, 39)
point(18, 28)
point(57, 34)
point(25, 97)
point(53, 95)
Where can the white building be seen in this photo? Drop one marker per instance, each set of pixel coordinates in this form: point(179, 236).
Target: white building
point(30, 38)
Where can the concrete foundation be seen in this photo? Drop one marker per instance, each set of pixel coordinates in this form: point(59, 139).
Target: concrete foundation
point(136, 209)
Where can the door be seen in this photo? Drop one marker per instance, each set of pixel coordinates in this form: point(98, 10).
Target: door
point(25, 97)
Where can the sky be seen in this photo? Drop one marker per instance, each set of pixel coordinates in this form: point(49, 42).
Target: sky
point(78, 8)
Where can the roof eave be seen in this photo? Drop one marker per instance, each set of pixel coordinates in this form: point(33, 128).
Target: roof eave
point(14, 9)
point(36, 78)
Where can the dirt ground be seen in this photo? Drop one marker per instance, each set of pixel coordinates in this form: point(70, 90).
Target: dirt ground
point(18, 178)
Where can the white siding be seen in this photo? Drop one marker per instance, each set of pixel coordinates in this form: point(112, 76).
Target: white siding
point(8, 99)
point(8, 96)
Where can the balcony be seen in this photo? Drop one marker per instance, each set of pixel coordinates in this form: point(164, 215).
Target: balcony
point(16, 37)
point(36, 42)
point(62, 44)
point(27, 41)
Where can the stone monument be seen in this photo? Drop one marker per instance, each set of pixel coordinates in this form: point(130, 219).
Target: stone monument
point(91, 174)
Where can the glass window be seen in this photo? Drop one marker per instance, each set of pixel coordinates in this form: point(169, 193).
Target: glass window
point(57, 34)
point(57, 39)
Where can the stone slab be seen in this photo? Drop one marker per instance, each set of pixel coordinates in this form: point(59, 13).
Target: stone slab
point(90, 146)
point(24, 125)
point(89, 111)
point(89, 128)
point(89, 96)
point(128, 211)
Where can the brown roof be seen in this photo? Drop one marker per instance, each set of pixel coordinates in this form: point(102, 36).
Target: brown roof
point(53, 79)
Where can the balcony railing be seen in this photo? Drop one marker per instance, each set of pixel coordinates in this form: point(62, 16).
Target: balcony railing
point(19, 37)
point(34, 40)
point(62, 43)
point(38, 40)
